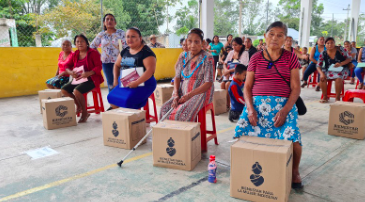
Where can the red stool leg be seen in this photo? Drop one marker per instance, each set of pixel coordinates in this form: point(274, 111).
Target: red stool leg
point(154, 107)
point(101, 101)
point(214, 131)
point(96, 103)
point(203, 126)
point(309, 80)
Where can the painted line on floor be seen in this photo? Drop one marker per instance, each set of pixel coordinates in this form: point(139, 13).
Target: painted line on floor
point(56, 183)
point(53, 184)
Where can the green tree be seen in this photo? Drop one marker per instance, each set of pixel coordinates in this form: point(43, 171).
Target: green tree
point(226, 14)
point(290, 13)
point(186, 18)
point(252, 18)
point(147, 15)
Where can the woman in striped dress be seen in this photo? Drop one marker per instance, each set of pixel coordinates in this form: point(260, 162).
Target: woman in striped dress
point(193, 86)
point(271, 89)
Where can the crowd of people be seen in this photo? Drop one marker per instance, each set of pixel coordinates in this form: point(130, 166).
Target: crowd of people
point(262, 82)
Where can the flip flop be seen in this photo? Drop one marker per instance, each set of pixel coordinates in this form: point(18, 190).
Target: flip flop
point(304, 85)
point(323, 101)
point(297, 185)
point(83, 120)
point(318, 88)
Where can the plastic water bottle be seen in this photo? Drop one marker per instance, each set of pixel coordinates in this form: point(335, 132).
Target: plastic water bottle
point(212, 170)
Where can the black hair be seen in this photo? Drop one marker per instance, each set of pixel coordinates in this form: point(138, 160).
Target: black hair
point(214, 37)
point(182, 40)
point(278, 24)
point(138, 31)
point(197, 31)
point(208, 41)
point(261, 40)
point(240, 68)
point(238, 40)
point(105, 17)
point(229, 35)
point(305, 48)
point(290, 37)
point(248, 38)
point(347, 42)
point(330, 39)
point(84, 37)
point(230, 47)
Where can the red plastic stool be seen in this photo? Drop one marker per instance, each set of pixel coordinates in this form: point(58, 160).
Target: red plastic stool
point(329, 87)
point(207, 135)
point(351, 94)
point(149, 117)
point(98, 102)
point(312, 80)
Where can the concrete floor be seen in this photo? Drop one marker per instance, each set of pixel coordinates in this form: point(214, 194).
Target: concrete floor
point(332, 167)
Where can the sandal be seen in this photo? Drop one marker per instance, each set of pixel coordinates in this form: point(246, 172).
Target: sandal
point(304, 84)
point(318, 88)
point(83, 120)
point(323, 101)
point(297, 185)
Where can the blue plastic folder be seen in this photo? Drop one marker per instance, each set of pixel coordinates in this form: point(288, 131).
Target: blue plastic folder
point(335, 69)
point(361, 65)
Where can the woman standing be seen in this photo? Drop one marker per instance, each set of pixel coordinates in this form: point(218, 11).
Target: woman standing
point(87, 77)
point(270, 110)
point(314, 56)
point(137, 55)
point(215, 48)
point(337, 59)
point(109, 40)
point(61, 77)
point(229, 40)
point(193, 87)
point(359, 70)
point(238, 55)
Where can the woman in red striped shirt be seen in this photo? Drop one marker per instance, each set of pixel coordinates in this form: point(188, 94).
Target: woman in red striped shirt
point(271, 89)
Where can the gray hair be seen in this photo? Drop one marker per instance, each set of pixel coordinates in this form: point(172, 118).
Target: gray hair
point(64, 40)
point(278, 24)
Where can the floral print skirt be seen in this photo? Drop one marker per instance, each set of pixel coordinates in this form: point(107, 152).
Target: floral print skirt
point(335, 75)
point(266, 108)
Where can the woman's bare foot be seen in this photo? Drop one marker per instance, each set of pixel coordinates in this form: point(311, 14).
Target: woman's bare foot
point(361, 86)
point(318, 88)
point(296, 181)
point(83, 118)
point(304, 84)
point(324, 100)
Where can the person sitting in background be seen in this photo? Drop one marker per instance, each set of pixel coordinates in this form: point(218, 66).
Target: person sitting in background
point(196, 89)
point(261, 45)
point(153, 42)
point(248, 47)
point(235, 91)
point(351, 51)
point(85, 69)
point(185, 49)
point(304, 62)
point(359, 70)
point(61, 77)
point(288, 47)
point(243, 39)
point(181, 42)
point(332, 58)
point(132, 94)
point(229, 40)
point(222, 57)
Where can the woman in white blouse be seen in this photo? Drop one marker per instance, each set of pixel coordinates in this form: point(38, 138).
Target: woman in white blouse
point(109, 41)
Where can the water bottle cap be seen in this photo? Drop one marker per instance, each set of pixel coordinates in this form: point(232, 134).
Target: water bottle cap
point(212, 157)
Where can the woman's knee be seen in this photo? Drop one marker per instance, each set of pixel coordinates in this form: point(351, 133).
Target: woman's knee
point(223, 85)
point(358, 70)
point(77, 93)
point(227, 85)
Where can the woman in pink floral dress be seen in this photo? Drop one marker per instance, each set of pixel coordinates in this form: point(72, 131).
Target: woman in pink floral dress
point(193, 86)
point(332, 64)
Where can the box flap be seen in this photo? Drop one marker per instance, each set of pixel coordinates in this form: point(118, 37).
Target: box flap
point(165, 86)
point(350, 104)
point(179, 125)
point(262, 144)
point(57, 100)
point(124, 111)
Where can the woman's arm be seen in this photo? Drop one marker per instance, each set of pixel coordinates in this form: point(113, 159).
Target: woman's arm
point(150, 64)
point(359, 56)
point(116, 70)
point(252, 114)
point(96, 42)
point(313, 51)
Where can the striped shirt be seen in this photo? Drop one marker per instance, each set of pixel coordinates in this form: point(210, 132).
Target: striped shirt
point(267, 81)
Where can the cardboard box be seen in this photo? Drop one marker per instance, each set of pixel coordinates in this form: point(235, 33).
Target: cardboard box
point(123, 128)
point(176, 144)
point(48, 94)
point(261, 169)
point(220, 101)
point(163, 93)
point(347, 119)
point(58, 113)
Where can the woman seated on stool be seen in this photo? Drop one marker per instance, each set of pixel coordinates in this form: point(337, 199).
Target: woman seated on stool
point(337, 59)
point(271, 89)
point(61, 77)
point(193, 87)
point(85, 69)
point(136, 55)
